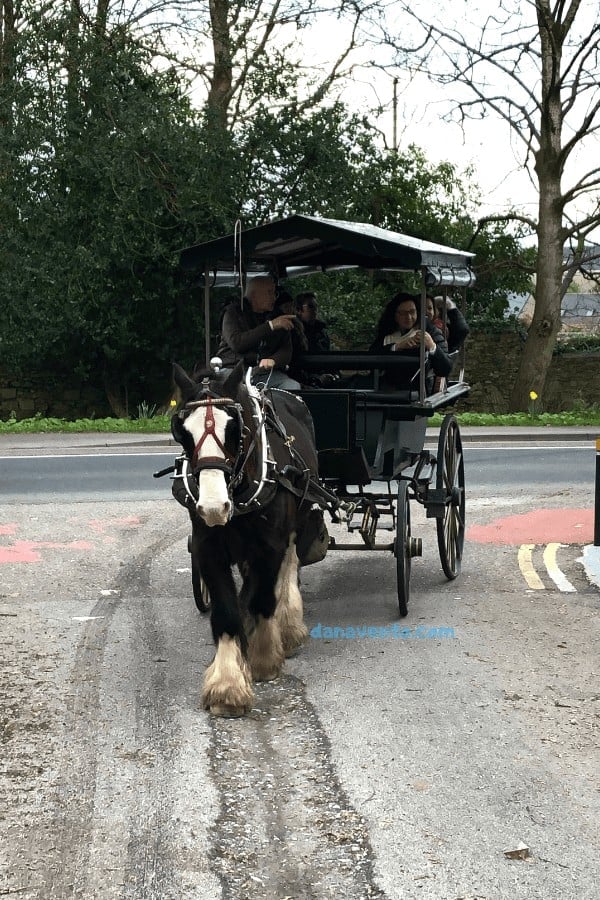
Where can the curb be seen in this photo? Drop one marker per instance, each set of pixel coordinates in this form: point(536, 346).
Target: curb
point(57, 441)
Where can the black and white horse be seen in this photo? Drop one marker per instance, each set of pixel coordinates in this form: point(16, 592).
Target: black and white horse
point(247, 474)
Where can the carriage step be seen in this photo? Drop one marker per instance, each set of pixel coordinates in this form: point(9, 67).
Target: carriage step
point(358, 526)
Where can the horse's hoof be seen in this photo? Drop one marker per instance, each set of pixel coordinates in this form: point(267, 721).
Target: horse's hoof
point(226, 711)
point(294, 641)
point(266, 676)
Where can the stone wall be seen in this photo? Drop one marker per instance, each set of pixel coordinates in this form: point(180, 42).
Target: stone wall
point(27, 397)
point(491, 364)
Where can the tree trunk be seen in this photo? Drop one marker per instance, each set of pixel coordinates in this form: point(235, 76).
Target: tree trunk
point(116, 394)
point(541, 337)
point(549, 163)
point(7, 63)
point(219, 95)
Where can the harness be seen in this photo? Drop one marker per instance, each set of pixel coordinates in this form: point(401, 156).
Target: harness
point(261, 489)
point(296, 476)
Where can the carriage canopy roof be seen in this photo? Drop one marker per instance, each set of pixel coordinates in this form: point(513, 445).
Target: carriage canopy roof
point(303, 244)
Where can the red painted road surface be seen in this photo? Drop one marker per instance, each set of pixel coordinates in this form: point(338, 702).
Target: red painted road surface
point(540, 526)
point(29, 551)
point(24, 551)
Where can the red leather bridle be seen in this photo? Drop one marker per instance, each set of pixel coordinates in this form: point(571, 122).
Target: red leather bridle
point(209, 431)
point(227, 462)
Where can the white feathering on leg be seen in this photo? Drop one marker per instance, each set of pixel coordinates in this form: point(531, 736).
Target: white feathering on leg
point(289, 611)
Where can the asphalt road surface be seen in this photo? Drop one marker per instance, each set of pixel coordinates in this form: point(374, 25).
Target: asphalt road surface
point(453, 754)
point(110, 476)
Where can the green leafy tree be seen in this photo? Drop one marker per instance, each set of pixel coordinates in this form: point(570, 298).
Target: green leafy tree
point(405, 193)
point(111, 178)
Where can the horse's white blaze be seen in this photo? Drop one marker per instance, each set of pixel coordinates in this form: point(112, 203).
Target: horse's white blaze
point(289, 611)
point(214, 505)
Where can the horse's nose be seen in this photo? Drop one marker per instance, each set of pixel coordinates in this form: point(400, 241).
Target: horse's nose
point(215, 514)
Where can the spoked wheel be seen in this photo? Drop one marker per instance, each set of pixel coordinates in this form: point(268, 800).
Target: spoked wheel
point(402, 547)
point(201, 595)
point(450, 481)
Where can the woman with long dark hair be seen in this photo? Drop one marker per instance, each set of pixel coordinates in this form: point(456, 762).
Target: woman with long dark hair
point(398, 332)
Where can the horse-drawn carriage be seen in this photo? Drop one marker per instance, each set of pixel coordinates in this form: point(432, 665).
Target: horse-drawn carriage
point(363, 434)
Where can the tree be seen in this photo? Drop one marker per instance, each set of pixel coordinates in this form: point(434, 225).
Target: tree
point(404, 192)
point(535, 65)
point(108, 183)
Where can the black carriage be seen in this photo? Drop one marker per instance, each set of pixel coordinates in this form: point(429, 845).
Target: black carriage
point(366, 435)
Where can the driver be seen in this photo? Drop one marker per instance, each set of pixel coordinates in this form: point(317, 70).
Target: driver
point(247, 334)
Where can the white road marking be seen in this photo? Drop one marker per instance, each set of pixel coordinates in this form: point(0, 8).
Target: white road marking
point(534, 582)
point(557, 576)
point(591, 564)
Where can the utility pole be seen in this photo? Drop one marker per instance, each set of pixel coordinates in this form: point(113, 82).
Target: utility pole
point(395, 115)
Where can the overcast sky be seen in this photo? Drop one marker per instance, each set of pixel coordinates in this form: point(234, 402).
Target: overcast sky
point(488, 145)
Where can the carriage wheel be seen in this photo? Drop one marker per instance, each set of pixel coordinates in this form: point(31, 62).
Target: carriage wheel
point(201, 595)
point(402, 547)
point(450, 480)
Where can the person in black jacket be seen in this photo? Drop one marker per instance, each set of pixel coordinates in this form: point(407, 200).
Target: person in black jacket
point(314, 328)
point(455, 328)
point(248, 334)
point(398, 332)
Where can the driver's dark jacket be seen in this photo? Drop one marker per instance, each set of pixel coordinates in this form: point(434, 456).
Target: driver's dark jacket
point(247, 336)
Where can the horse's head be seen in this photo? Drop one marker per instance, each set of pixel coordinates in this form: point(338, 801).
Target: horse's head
point(209, 427)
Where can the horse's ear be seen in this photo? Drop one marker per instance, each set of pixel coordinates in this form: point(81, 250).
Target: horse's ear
point(233, 381)
point(184, 382)
point(177, 428)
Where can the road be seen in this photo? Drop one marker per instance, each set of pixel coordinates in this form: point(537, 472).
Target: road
point(377, 766)
point(107, 476)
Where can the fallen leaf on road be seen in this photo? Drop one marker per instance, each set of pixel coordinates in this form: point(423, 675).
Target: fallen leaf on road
point(521, 851)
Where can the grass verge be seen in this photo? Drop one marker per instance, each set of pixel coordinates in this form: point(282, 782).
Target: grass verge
point(161, 424)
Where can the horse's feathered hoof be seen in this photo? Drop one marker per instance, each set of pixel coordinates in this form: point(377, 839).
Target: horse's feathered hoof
point(226, 711)
point(227, 681)
point(293, 639)
point(265, 651)
point(260, 674)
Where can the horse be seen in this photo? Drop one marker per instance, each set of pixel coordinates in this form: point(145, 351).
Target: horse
point(248, 476)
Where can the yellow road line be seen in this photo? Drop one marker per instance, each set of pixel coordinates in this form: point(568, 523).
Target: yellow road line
point(557, 576)
point(526, 566)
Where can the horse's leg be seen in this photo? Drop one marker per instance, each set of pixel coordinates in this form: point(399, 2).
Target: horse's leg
point(289, 612)
point(265, 650)
point(227, 689)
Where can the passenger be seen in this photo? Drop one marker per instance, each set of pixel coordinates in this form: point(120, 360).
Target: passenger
point(456, 329)
point(317, 338)
point(434, 315)
point(247, 334)
point(315, 330)
point(397, 332)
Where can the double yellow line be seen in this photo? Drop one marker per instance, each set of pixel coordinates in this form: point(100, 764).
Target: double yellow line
point(530, 574)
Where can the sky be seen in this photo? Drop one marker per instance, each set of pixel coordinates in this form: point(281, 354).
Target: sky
point(489, 146)
point(485, 146)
